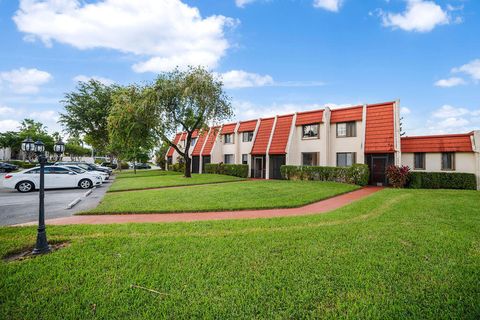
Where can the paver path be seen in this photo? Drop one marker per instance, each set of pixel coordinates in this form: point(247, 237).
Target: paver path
point(314, 208)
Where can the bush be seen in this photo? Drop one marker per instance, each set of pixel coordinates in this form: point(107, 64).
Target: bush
point(397, 175)
point(23, 164)
point(178, 167)
point(356, 174)
point(442, 180)
point(237, 170)
point(123, 166)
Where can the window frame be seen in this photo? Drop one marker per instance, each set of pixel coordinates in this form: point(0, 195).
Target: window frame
point(225, 138)
point(249, 135)
point(225, 158)
point(348, 129)
point(354, 159)
point(246, 160)
point(304, 137)
point(452, 168)
point(316, 158)
point(423, 161)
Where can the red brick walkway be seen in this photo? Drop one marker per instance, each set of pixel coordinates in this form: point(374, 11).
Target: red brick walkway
point(317, 207)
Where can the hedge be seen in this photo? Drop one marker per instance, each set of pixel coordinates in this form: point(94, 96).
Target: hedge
point(237, 170)
point(442, 180)
point(178, 167)
point(23, 164)
point(356, 174)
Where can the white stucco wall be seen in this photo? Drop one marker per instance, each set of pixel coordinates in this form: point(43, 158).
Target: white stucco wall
point(464, 162)
point(347, 144)
point(299, 145)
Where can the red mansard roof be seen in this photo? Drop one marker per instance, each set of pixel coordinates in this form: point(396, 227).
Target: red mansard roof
point(309, 117)
point(438, 143)
point(247, 126)
point(263, 136)
point(347, 114)
point(280, 135)
point(212, 136)
point(228, 128)
point(175, 141)
point(198, 146)
point(379, 131)
point(184, 136)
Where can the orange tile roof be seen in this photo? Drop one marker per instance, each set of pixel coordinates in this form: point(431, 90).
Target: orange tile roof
point(247, 126)
point(175, 141)
point(195, 133)
point(347, 114)
point(379, 131)
point(438, 143)
point(228, 128)
point(280, 135)
point(263, 136)
point(184, 136)
point(212, 136)
point(309, 117)
point(201, 141)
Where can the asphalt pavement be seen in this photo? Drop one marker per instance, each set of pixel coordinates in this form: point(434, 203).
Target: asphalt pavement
point(16, 207)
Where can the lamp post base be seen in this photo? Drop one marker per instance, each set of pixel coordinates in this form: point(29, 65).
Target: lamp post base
point(42, 244)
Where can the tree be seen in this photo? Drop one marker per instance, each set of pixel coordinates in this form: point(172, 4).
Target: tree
point(160, 155)
point(87, 109)
point(36, 131)
point(188, 101)
point(131, 123)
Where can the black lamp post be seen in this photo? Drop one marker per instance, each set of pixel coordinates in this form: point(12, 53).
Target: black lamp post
point(59, 148)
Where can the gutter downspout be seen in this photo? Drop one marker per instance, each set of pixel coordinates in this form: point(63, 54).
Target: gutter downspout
point(200, 162)
point(396, 133)
point(250, 159)
point(327, 151)
point(290, 138)
point(364, 131)
point(267, 156)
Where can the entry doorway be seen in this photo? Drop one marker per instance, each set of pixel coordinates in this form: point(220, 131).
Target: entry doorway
point(275, 163)
point(205, 160)
point(258, 168)
point(195, 164)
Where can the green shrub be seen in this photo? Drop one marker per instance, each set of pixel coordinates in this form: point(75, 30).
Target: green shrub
point(124, 166)
point(237, 170)
point(23, 164)
point(356, 174)
point(442, 180)
point(398, 175)
point(178, 167)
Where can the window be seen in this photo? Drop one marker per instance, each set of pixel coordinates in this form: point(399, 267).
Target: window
point(193, 141)
point(448, 161)
point(244, 158)
point(229, 159)
point(346, 129)
point(228, 138)
point(247, 136)
point(310, 131)
point(34, 171)
point(310, 159)
point(345, 159)
point(60, 170)
point(419, 161)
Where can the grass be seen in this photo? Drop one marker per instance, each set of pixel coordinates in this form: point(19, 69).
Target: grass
point(396, 254)
point(162, 179)
point(144, 173)
point(259, 194)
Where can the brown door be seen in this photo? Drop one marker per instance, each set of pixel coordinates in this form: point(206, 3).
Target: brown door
point(258, 167)
point(379, 165)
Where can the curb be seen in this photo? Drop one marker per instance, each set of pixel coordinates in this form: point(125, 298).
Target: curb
point(73, 203)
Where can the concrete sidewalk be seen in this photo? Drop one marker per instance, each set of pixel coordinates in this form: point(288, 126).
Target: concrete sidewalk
point(314, 208)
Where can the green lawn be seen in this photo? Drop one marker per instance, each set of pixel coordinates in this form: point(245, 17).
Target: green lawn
point(259, 194)
point(396, 254)
point(143, 173)
point(160, 179)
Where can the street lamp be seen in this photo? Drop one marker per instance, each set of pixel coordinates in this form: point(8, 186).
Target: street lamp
point(59, 148)
point(39, 148)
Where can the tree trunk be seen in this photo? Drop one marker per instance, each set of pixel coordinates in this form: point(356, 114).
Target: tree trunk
point(188, 163)
point(135, 165)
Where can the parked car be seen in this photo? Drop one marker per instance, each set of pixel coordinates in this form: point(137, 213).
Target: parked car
point(55, 177)
point(7, 167)
point(109, 165)
point(141, 166)
point(77, 169)
point(86, 166)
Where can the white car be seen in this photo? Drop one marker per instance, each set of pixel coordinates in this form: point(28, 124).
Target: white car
point(77, 169)
point(55, 177)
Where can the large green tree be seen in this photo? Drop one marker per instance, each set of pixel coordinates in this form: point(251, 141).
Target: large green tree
point(187, 101)
point(86, 112)
point(131, 123)
point(36, 131)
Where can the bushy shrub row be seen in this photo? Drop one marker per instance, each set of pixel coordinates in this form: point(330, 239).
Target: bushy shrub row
point(356, 174)
point(23, 164)
point(178, 167)
point(442, 180)
point(237, 170)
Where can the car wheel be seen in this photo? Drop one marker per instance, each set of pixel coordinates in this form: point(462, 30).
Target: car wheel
point(85, 184)
point(25, 186)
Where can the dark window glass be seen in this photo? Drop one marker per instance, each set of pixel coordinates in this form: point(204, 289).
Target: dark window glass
point(228, 138)
point(345, 159)
point(60, 170)
point(347, 129)
point(310, 159)
point(193, 141)
point(310, 131)
point(34, 171)
point(244, 158)
point(419, 161)
point(228, 159)
point(448, 161)
point(247, 136)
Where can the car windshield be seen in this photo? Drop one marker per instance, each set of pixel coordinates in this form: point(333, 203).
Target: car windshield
point(83, 166)
point(76, 169)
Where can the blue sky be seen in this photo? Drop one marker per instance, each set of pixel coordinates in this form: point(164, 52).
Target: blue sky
point(275, 56)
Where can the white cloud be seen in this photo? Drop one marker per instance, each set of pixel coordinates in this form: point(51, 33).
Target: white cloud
point(419, 16)
point(9, 125)
point(83, 78)
point(405, 110)
point(242, 79)
point(243, 3)
point(450, 82)
point(166, 33)
point(472, 69)
point(25, 81)
point(447, 111)
point(330, 5)
point(449, 119)
point(6, 111)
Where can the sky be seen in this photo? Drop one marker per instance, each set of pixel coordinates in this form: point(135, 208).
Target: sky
point(274, 56)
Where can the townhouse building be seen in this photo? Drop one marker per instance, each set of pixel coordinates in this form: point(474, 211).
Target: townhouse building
point(368, 134)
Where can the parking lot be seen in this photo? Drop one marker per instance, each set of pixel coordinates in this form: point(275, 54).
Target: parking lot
point(16, 207)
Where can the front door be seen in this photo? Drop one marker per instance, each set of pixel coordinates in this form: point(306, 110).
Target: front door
point(205, 160)
point(258, 171)
point(378, 167)
point(195, 164)
point(275, 163)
